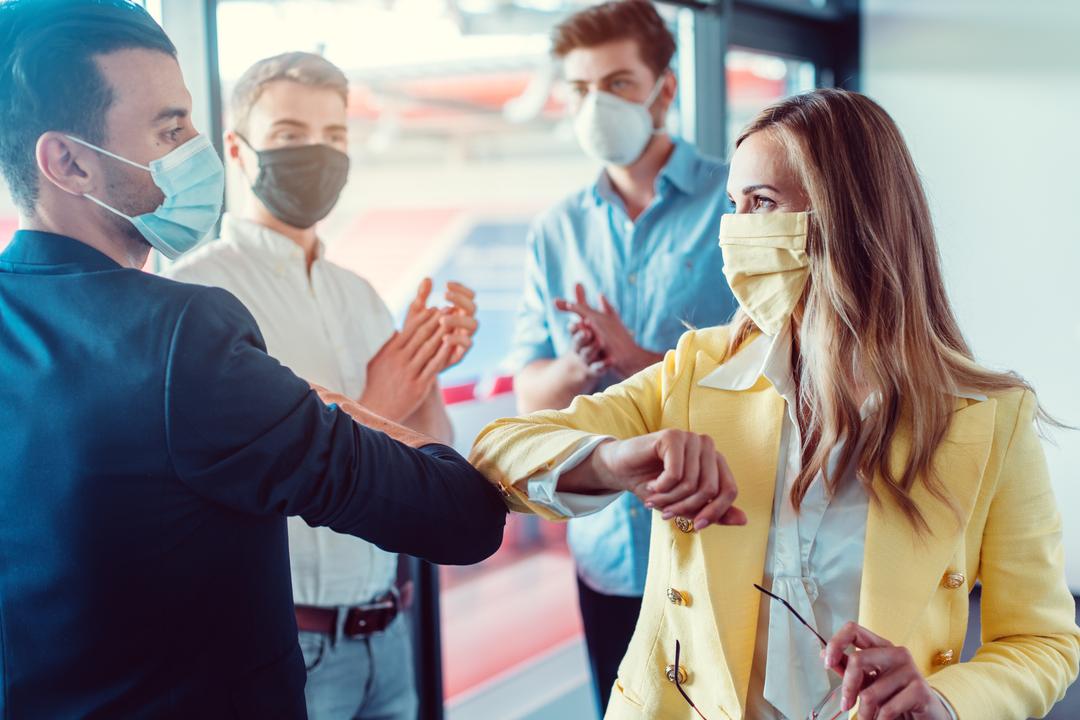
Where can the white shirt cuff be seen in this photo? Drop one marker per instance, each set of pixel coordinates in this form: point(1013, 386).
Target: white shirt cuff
point(542, 487)
point(947, 704)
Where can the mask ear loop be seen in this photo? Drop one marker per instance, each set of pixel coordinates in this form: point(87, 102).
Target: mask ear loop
point(103, 151)
point(251, 183)
point(652, 98)
point(245, 141)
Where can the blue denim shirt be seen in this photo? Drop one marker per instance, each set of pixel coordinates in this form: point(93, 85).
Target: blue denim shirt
point(662, 273)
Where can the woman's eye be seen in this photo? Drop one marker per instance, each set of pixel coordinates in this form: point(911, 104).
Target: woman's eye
point(763, 203)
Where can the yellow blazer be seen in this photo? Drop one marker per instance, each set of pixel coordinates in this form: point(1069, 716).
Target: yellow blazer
point(914, 590)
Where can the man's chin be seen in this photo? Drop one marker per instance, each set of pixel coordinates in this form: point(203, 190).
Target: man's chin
point(137, 246)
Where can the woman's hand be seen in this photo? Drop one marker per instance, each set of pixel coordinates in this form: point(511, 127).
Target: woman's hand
point(882, 677)
point(459, 319)
point(674, 472)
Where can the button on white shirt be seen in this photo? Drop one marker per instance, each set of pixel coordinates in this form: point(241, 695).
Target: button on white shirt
point(325, 327)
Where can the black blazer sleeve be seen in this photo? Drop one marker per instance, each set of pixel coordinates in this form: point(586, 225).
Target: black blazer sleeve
point(245, 432)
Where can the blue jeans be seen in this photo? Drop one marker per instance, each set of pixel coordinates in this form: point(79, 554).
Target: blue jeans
point(369, 678)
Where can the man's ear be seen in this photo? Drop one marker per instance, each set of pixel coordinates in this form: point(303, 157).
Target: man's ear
point(70, 166)
point(669, 89)
point(236, 151)
point(232, 145)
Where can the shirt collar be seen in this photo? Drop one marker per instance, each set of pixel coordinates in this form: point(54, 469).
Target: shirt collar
point(681, 167)
point(771, 357)
point(49, 253)
point(251, 234)
point(679, 171)
point(763, 356)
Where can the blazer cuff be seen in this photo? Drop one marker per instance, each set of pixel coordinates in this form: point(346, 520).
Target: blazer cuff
point(543, 487)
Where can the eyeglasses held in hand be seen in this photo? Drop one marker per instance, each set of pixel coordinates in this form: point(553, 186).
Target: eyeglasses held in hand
point(818, 709)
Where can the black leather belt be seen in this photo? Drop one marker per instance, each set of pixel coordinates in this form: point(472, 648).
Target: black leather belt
point(360, 621)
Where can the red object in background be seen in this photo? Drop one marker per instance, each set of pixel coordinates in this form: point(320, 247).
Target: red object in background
point(747, 87)
point(467, 392)
point(454, 394)
point(503, 384)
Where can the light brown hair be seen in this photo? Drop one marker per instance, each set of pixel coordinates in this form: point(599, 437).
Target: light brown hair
point(618, 20)
point(875, 306)
point(299, 67)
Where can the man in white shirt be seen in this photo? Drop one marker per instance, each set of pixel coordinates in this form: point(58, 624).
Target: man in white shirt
point(328, 325)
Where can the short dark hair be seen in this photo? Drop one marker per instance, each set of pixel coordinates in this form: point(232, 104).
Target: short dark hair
point(49, 79)
point(635, 20)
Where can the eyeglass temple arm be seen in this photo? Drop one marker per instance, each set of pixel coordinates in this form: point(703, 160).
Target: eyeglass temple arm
point(678, 685)
point(794, 612)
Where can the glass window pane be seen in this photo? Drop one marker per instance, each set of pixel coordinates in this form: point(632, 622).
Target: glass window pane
point(755, 80)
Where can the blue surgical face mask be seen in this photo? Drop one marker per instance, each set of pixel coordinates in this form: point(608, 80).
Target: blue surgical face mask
point(193, 181)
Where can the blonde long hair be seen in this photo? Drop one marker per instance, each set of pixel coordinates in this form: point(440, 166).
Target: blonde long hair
point(875, 306)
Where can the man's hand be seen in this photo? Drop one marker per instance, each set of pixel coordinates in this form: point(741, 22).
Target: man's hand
point(366, 417)
point(404, 371)
point(881, 676)
point(608, 339)
point(585, 344)
point(551, 384)
point(673, 471)
point(459, 319)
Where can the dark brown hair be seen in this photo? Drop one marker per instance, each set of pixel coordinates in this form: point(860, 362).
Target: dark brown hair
point(50, 78)
point(618, 20)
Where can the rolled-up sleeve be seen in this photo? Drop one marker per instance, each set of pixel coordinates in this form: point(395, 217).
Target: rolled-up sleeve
point(524, 456)
point(245, 432)
point(543, 489)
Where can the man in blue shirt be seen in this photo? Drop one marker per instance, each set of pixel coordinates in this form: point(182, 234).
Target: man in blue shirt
point(614, 274)
point(151, 449)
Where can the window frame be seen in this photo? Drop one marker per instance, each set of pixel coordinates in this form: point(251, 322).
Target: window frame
point(827, 36)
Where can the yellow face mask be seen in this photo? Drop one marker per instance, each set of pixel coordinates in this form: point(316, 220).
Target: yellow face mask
point(765, 264)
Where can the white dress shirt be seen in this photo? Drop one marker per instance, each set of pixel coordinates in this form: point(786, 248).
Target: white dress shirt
point(325, 327)
point(814, 557)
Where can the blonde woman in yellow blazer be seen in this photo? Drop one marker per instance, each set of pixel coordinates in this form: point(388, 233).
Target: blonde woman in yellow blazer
point(833, 259)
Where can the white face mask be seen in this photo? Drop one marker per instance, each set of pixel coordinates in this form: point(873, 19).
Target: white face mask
point(613, 130)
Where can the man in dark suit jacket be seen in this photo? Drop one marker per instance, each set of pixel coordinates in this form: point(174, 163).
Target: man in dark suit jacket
point(151, 450)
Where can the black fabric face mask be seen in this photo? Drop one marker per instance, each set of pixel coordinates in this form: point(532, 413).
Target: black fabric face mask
point(300, 185)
